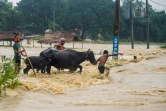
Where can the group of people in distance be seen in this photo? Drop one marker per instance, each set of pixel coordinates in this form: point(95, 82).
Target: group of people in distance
point(60, 46)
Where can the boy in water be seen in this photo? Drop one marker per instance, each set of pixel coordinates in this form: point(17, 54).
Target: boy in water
point(102, 60)
point(17, 52)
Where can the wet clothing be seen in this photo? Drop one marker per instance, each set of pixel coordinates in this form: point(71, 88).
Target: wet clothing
point(101, 69)
point(17, 56)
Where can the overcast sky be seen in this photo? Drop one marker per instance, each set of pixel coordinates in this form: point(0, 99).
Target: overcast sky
point(154, 5)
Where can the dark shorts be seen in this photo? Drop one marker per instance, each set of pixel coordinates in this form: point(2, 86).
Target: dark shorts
point(101, 69)
point(18, 61)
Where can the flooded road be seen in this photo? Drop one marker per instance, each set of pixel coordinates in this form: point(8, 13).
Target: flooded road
point(147, 80)
point(133, 85)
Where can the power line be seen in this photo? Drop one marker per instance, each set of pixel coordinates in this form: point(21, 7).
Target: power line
point(158, 3)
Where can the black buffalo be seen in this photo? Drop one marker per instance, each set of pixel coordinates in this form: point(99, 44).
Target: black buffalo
point(38, 63)
point(69, 59)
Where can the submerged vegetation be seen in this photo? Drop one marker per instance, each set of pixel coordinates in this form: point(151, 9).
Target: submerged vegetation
point(8, 76)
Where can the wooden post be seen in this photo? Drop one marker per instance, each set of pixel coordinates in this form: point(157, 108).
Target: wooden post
point(147, 21)
point(82, 43)
point(73, 43)
point(10, 43)
point(116, 29)
point(116, 19)
point(33, 41)
point(131, 22)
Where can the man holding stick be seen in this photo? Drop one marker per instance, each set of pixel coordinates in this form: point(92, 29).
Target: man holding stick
point(17, 52)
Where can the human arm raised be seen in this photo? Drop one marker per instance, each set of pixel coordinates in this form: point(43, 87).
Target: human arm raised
point(115, 54)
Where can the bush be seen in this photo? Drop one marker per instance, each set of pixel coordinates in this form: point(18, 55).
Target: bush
point(8, 76)
point(163, 46)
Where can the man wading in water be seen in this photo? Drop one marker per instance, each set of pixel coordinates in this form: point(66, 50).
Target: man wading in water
point(17, 52)
point(103, 59)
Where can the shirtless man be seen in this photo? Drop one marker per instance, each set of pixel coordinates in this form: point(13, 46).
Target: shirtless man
point(102, 60)
point(60, 46)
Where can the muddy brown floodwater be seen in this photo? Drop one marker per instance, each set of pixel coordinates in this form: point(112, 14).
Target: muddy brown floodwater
point(132, 84)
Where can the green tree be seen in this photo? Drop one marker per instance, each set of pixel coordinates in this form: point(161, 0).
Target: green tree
point(9, 17)
point(157, 23)
point(91, 16)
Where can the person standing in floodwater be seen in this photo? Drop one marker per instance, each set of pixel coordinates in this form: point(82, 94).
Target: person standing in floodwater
point(17, 52)
point(103, 59)
point(60, 46)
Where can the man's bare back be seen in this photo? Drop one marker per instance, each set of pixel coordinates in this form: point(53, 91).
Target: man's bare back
point(102, 60)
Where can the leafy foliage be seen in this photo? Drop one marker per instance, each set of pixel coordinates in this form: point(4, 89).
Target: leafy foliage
point(8, 76)
point(163, 46)
point(92, 16)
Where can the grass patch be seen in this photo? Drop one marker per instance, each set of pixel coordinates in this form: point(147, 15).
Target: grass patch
point(38, 37)
point(114, 65)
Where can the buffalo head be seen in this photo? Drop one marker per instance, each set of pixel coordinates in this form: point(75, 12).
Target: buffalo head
point(91, 56)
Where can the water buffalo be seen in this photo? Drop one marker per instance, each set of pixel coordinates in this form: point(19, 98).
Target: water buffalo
point(70, 59)
point(38, 63)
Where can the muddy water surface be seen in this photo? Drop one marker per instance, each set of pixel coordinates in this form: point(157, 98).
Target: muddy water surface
point(131, 85)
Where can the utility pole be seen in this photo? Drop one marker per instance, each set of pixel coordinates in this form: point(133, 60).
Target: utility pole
point(116, 29)
point(131, 23)
point(147, 21)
